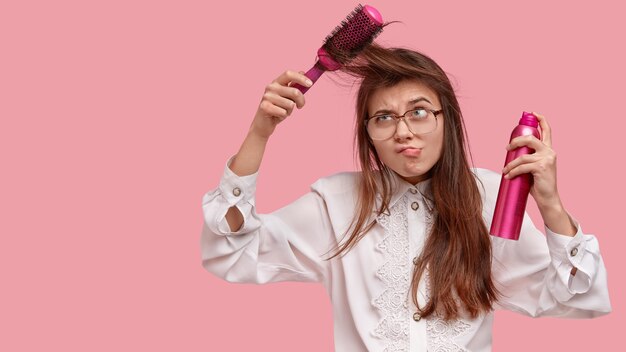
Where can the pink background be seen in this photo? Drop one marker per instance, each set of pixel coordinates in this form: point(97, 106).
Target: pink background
point(117, 116)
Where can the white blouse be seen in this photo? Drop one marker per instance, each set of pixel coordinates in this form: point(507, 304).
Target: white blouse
point(369, 287)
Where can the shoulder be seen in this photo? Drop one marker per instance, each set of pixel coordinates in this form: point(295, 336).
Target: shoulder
point(488, 182)
point(339, 184)
point(486, 175)
point(339, 193)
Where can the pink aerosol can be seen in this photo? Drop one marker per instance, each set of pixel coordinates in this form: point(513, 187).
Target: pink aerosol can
point(513, 193)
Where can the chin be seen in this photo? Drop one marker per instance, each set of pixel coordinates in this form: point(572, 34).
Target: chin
point(414, 172)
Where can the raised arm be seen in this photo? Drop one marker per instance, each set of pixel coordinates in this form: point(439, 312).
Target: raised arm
point(278, 102)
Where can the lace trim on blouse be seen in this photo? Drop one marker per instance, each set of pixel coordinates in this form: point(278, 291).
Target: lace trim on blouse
point(395, 273)
point(441, 334)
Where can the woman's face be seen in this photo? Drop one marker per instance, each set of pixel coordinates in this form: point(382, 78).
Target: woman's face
point(423, 151)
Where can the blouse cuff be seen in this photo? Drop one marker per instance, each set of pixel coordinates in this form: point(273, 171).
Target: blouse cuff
point(237, 189)
point(573, 252)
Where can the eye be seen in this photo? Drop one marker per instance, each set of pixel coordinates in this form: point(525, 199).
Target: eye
point(383, 118)
point(419, 113)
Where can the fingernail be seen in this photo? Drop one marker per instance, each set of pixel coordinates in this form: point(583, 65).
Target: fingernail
point(309, 82)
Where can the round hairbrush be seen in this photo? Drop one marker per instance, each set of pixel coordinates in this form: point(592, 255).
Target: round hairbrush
point(346, 41)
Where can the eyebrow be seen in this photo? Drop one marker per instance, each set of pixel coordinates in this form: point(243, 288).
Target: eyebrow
point(411, 102)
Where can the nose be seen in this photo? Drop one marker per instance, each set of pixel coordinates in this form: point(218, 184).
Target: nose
point(402, 130)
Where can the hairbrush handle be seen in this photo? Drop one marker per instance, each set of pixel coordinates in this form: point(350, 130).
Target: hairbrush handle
point(324, 63)
point(313, 74)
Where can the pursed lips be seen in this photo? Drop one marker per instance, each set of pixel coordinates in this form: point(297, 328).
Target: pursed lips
point(405, 147)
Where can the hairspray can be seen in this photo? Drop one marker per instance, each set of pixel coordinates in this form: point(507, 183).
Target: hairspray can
point(513, 193)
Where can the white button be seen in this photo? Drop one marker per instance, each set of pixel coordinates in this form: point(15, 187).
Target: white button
point(236, 192)
point(574, 251)
point(412, 190)
point(417, 317)
point(415, 205)
point(415, 260)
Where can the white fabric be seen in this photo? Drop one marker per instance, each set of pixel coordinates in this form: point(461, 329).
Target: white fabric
point(369, 286)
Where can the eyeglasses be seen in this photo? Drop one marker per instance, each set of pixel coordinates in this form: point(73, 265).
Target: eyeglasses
point(419, 121)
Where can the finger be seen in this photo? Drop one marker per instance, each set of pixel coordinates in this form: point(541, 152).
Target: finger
point(519, 170)
point(289, 76)
point(306, 79)
point(293, 94)
point(280, 101)
point(273, 110)
point(524, 159)
point(546, 131)
point(525, 141)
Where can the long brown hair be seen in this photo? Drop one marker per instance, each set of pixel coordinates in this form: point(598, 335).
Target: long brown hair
point(457, 251)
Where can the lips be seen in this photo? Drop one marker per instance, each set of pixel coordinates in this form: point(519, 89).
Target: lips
point(409, 151)
point(401, 149)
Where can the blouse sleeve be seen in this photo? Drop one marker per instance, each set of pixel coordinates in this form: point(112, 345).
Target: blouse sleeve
point(286, 245)
point(534, 273)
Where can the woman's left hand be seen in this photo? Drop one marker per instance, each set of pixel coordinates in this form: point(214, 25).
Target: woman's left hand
point(541, 164)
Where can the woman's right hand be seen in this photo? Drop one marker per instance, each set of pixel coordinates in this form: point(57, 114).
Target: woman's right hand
point(278, 102)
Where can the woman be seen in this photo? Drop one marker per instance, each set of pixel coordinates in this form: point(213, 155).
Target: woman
point(402, 246)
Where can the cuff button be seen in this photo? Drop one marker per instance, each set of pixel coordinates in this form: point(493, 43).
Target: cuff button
point(237, 192)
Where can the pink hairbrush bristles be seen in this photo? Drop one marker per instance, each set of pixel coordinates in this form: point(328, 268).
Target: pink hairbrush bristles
point(354, 33)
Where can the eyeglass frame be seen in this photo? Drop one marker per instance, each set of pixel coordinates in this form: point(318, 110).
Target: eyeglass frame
point(399, 118)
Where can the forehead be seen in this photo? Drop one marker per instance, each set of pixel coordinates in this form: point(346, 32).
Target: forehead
point(398, 96)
